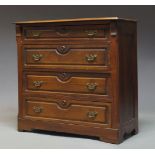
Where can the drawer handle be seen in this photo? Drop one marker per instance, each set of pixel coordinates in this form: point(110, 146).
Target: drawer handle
point(91, 33)
point(37, 84)
point(36, 33)
point(92, 114)
point(37, 109)
point(91, 86)
point(62, 49)
point(91, 58)
point(37, 57)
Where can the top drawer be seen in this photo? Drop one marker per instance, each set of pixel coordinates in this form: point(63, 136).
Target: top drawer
point(84, 31)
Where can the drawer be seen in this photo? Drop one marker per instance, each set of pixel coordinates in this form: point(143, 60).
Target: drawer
point(69, 82)
point(84, 31)
point(66, 55)
point(68, 111)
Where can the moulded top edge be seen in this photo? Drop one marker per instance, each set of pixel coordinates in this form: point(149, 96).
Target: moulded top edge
point(73, 20)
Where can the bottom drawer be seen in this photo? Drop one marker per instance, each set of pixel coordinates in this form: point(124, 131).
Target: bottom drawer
point(68, 111)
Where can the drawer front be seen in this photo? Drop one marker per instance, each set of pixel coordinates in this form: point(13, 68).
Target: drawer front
point(85, 31)
point(68, 82)
point(68, 111)
point(66, 55)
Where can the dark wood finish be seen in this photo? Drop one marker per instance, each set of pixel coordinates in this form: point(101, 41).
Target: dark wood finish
point(78, 76)
point(87, 31)
point(65, 82)
point(128, 76)
point(76, 57)
point(67, 111)
point(68, 56)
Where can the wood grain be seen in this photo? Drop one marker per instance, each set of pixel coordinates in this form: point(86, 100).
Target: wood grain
point(69, 111)
point(71, 57)
point(89, 85)
point(86, 31)
point(59, 90)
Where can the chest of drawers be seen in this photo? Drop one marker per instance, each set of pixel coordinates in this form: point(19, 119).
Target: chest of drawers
point(78, 76)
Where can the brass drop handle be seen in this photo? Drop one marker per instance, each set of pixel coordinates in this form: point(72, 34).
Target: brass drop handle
point(92, 114)
point(37, 84)
point(37, 109)
point(37, 57)
point(91, 86)
point(36, 33)
point(91, 33)
point(91, 57)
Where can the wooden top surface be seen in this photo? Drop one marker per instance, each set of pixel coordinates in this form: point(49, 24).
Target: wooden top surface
point(73, 20)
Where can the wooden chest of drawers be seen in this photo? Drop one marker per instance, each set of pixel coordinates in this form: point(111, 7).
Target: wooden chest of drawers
point(78, 76)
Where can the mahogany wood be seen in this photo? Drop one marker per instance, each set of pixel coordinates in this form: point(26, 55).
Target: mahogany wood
point(78, 76)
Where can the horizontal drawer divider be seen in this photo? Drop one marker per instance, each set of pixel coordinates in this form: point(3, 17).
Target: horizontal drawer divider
point(93, 125)
point(67, 96)
point(71, 68)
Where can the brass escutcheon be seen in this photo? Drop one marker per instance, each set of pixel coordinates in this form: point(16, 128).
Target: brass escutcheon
point(64, 104)
point(62, 49)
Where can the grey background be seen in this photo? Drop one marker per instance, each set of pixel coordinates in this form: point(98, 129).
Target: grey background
point(9, 136)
